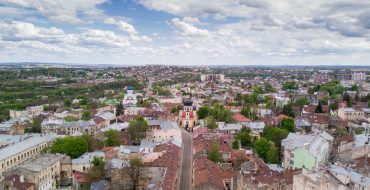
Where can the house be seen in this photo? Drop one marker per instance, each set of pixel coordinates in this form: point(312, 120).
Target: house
point(255, 174)
point(43, 171)
point(306, 151)
point(100, 185)
point(16, 182)
point(256, 127)
point(29, 147)
point(52, 125)
point(83, 163)
point(80, 180)
point(241, 119)
point(342, 148)
point(228, 128)
point(207, 175)
point(11, 127)
point(350, 113)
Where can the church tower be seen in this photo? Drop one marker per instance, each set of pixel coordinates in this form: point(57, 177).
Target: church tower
point(188, 115)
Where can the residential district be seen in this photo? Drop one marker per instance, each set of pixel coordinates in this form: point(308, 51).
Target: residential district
point(167, 127)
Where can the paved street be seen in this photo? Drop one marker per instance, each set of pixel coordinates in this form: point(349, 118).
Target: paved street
point(187, 162)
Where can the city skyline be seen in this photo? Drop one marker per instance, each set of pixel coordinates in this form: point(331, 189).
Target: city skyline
point(240, 32)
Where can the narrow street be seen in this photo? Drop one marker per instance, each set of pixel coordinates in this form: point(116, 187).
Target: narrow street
point(187, 162)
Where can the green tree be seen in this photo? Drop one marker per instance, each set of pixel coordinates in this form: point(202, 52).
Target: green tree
point(96, 172)
point(210, 122)
point(67, 102)
point(36, 125)
point(86, 115)
point(288, 124)
point(135, 171)
point(273, 154)
point(287, 110)
point(214, 154)
point(348, 99)
point(319, 108)
point(137, 129)
point(119, 109)
point(290, 85)
point(72, 146)
point(275, 134)
point(235, 144)
point(111, 138)
point(245, 137)
point(203, 112)
point(262, 147)
point(70, 118)
point(301, 101)
point(88, 139)
point(246, 111)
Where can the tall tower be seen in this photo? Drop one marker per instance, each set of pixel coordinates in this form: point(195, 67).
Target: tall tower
point(188, 115)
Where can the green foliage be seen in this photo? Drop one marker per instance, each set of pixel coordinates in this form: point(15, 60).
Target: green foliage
point(287, 110)
point(319, 108)
point(210, 122)
point(112, 138)
point(332, 87)
point(137, 129)
point(290, 85)
point(119, 109)
point(235, 144)
point(220, 113)
point(72, 146)
point(244, 137)
point(262, 147)
point(88, 139)
point(203, 112)
point(288, 124)
point(246, 111)
point(301, 101)
point(70, 118)
point(86, 115)
point(214, 154)
point(269, 88)
point(35, 126)
point(96, 172)
point(273, 155)
point(67, 102)
point(135, 171)
point(348, 99)
point(275, 134)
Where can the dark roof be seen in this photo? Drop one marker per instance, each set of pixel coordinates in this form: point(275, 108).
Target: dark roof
point(16, 182)
point(100, 185)
point(188, 102)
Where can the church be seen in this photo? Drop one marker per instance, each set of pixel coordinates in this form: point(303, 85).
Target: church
point(188, 115)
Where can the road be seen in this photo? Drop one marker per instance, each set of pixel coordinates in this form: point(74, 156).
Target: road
point(187, 162)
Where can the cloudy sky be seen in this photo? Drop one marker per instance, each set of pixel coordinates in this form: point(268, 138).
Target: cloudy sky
point(305, 32)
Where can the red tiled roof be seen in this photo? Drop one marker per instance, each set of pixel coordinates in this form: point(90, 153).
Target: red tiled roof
point(240, 118)
point(207, 172)
point(81, 177)
point(15, 179)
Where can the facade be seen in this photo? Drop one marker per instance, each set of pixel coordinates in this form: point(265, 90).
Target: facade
point(306, 151)
point(212, 77)
point(188, 115)
point(30, 111)
point(130, 98)
point(350, 113)
point(44, 171)
point(83, 163)
point(17, 153)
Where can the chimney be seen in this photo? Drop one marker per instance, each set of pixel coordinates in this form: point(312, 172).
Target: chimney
point(21, 178)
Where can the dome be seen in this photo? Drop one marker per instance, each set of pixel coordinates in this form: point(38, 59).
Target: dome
point(188, 102)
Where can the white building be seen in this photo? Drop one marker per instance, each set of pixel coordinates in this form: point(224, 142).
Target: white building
point(350, 113)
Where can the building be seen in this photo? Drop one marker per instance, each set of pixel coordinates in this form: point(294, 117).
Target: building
point(130, 98)
point(17, 153)
point(358, 76)
point(30, 111)
point(44, 171)
point(306, 151)
point(212, 78)
point(350, 113)
point(83, 163)
point(16, 182)
point(188, 115)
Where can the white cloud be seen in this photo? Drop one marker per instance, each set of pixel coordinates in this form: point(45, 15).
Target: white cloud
point(122, 25)
point(186, 29)
point(66, 11)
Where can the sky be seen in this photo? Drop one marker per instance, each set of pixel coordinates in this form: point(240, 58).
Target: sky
point(186, 32)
